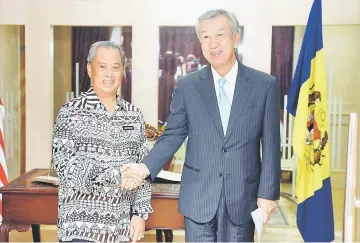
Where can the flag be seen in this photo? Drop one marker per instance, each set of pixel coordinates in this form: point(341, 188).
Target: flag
point(307, 102)
point(3, 168)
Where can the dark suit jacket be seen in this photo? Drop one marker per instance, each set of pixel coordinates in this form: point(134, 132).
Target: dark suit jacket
point(213, 160)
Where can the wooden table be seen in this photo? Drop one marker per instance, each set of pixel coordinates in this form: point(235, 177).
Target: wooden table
point(27, 204)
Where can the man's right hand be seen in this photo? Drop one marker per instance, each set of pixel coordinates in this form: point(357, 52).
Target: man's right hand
point(133, 175)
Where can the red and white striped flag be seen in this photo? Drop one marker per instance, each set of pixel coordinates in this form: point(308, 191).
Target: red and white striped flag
point(3, 168)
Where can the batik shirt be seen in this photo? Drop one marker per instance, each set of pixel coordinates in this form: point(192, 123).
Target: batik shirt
point(89, 147)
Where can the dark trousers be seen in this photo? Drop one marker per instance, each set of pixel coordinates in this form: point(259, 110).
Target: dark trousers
point(219, 229)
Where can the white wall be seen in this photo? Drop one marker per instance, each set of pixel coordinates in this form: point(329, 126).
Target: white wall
point(145, 17)
point(257, 16)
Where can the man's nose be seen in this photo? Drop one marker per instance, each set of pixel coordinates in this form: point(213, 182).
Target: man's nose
point(213, 43)
point(109, 72)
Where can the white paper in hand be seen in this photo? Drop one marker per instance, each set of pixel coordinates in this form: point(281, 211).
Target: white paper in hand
point(258, 218)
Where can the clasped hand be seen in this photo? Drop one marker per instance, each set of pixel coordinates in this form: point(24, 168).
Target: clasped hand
point(133, 176)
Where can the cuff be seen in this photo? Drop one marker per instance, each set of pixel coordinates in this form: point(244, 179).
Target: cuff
point(143, 213)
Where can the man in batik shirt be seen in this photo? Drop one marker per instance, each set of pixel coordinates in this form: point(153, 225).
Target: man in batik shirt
point(94, 135)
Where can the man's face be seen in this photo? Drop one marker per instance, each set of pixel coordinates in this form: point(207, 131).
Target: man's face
point(106, 71)
point(217, 41)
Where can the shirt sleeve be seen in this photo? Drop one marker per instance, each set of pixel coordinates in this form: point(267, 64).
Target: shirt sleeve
point(75, 170)
point(142, 204)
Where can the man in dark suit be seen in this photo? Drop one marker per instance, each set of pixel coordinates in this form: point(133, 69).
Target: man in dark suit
point(229, 112)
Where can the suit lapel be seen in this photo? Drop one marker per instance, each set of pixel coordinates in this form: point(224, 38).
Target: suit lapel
point(242, 90)
point(207, 91)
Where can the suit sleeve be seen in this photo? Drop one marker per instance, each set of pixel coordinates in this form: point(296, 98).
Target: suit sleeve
point(142, 203)
point(173, 137)
point(269, 187)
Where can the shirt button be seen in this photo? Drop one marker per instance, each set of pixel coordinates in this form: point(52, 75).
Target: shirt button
point(224, 151)
point(220, 174)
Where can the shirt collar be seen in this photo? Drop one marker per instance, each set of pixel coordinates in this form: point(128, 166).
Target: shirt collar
point(230, 76)
point(94, 101)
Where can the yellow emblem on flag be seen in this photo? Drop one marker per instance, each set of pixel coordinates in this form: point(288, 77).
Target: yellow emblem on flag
point(317, 134)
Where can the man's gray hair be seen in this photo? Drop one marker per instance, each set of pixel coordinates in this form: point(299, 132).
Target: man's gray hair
point(235, 27)
point(106, 44)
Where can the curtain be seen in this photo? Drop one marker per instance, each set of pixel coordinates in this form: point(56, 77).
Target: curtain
point(82, 39)
point(181, 41)
point(282, 58)
point(127, 78)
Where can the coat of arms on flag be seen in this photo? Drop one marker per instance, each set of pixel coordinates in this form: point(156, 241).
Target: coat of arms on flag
point(317, 130)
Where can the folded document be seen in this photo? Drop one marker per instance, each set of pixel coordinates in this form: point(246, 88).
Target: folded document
point(168, 176)
point(47, 179)
point(258, 218)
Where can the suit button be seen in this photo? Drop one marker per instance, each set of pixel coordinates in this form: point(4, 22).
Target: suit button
point(224, 151)
point(220, 174)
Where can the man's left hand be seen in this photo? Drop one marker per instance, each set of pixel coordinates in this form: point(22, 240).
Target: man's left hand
point(267, 207)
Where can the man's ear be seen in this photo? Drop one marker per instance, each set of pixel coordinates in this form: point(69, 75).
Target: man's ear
point(236, 39)
point(89, 69)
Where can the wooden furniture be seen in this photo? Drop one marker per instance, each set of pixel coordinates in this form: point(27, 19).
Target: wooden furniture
point(27, 204)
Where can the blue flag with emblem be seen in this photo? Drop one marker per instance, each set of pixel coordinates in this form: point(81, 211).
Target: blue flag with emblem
point(307, 102)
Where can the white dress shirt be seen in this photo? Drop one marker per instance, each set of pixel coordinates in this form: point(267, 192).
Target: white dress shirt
point(229, 85)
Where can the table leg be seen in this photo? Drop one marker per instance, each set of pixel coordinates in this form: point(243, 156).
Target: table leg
point(168, 235)
point(159, 235)
point(36, 232)
point(5, 229)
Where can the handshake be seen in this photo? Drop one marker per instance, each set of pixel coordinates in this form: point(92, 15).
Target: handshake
point(133, 175)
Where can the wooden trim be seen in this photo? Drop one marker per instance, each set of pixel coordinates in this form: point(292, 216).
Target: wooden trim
point(22, 102)
point(25, 185)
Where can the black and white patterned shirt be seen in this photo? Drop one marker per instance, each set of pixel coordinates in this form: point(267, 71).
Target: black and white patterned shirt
point(89, 146)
